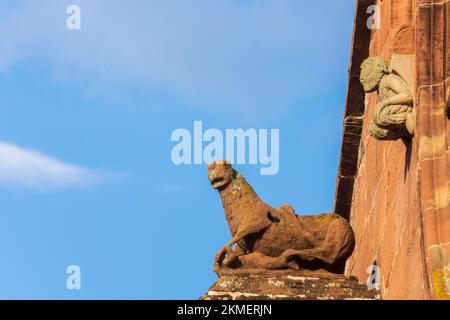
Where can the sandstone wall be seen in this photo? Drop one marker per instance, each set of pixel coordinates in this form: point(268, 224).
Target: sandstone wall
point(396, 193)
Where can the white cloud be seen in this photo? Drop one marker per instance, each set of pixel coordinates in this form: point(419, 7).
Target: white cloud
point(232, 56)
point(21, 167)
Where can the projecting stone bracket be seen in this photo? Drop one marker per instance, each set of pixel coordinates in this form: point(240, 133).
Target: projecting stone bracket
point(287, 285)
point(393, 117)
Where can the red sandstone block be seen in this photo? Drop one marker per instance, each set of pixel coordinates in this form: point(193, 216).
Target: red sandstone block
point(430, 228)
point(444, 224)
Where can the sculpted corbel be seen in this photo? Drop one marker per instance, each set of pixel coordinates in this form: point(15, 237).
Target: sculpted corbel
point(393, 117)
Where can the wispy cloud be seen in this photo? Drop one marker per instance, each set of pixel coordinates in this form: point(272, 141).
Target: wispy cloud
point(233, 56)
point(20, 167)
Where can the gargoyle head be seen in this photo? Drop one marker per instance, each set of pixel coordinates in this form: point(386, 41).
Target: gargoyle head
point(220, 174)
point(372, 70)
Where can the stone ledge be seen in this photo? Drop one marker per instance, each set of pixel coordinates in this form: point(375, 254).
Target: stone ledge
point(287, 285)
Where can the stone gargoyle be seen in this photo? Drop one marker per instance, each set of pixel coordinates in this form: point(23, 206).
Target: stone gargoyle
point(393, 117)
point(267, 238)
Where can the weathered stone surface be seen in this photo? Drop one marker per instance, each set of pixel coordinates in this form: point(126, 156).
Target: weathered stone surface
point(287, 285)
point(275, 238)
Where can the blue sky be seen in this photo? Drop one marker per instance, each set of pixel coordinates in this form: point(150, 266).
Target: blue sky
point(86, 176)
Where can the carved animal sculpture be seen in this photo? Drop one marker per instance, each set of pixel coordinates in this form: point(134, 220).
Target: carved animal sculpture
point(269, 238)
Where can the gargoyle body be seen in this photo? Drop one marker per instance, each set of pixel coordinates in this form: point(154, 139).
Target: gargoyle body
point(267, 238)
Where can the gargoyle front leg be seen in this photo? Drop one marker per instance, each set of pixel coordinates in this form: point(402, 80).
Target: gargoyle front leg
point(226, 262)
point(226, 254)
point(226, 250)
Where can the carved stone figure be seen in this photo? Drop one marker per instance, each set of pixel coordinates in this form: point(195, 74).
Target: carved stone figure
point(393, 117)
point(270, 238)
